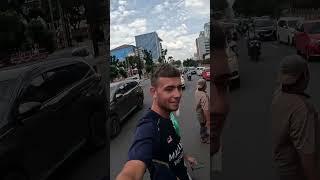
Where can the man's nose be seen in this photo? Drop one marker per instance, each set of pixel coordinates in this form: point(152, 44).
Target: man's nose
point(177, 93)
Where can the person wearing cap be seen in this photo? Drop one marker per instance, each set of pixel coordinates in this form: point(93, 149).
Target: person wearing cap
point(202, 110)
point(295, 124)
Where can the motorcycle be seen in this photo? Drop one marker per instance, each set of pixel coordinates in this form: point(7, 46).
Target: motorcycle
point(189, 76)
point(254, 46)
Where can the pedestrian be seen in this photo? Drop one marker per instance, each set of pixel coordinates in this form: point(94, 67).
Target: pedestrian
point(295, 124)
point(156, 145)
point(202, 110)
point(140, 73)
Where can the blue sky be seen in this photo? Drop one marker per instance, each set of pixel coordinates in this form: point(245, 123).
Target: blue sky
point(177, 22)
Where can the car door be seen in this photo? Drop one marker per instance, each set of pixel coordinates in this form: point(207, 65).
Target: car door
point(133, 97)
point(122, 101)
point(71, 104)
point(37, 126)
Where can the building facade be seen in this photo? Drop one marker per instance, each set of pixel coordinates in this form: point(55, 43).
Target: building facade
point(150, 42)
point(203, 46)
point(124, 51)
point(207, 30)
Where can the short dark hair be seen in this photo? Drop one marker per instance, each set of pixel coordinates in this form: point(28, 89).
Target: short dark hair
point(164, 70)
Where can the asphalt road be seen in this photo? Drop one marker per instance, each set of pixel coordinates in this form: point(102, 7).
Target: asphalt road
point(246, 152)
point(189, 131)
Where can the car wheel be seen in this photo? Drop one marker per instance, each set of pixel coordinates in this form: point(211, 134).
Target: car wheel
point(16, 175)
point(98, 132)
point(140, 103)
point(115, 126)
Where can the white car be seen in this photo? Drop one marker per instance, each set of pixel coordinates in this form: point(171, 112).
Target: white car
point(199, 70)
point(182, 81)
point(234, 67)
point(286, 28)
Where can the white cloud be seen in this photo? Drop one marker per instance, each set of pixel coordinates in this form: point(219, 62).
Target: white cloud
point(199, 7)
point(124, 33)
point(122, 2)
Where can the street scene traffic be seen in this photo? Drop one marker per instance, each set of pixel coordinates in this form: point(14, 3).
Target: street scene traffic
point(159, 100)
point(278, 53)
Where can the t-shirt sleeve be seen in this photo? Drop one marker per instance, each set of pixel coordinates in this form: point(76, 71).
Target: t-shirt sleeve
point(302, 130)
point(141, 148)
point(204, 102)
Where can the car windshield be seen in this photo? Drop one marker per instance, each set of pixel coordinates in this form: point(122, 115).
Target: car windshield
point(263, 23)
point(314, 28)
point(6, 88)
point(292, 24)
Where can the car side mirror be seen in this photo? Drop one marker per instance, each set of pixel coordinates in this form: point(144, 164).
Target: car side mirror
point(28, 107)
point(119, 96)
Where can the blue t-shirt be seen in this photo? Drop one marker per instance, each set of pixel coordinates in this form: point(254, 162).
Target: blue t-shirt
point(155, 139)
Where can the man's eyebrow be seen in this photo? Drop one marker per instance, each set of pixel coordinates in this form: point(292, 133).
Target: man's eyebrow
point(173, 86)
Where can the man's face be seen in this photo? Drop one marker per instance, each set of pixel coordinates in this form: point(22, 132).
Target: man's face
point(167, 93)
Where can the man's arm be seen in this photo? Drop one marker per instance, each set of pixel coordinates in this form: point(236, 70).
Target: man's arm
point(132, 170)
point(140, 152)
point(302, 134)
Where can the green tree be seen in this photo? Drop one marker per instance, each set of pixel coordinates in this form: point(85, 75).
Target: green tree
point(14, 38)
point(177, 63)
point(123, 73)
point(149, 61)
point(163, 55)
point(114, 72)
point(190, 63)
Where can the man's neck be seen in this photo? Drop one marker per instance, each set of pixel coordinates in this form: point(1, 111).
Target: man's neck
point(160, 111)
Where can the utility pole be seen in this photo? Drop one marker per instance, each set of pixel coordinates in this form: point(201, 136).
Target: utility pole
point(51, 16)
point(62, 24)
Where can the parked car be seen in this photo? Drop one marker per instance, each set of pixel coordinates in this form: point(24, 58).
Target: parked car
point(308, 38)
point(125, 97)
point(286, 28)
point(48, 111)
point(265, 28)
point(206, 74)
point(199, 70)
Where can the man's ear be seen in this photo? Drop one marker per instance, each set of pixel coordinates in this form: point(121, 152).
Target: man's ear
point(153, 91)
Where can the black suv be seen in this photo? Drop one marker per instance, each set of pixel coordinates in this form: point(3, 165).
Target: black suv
point(48, 110)
point(125, 97)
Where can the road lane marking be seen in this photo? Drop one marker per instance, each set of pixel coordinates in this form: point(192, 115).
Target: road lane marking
point(274, 46)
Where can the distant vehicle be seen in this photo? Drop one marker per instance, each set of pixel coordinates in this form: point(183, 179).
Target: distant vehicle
point(125, 97)
point(182, 80)
point(199, 70)
point(308, 38)
point(193, 70)
point(206, 74)
point(48, 111)
point(265, 28)
point(286, 28)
